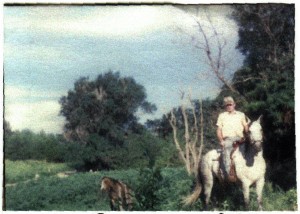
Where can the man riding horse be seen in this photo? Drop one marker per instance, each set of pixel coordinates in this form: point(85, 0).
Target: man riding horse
point(231, 126)
point(245, 161)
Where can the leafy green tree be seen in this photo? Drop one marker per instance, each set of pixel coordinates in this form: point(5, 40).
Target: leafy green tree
point(100, 114)
point(161, 127)
point(25, 145)
point(17, 146)
point(7, 133)
point(6, 128)
point(105, 107)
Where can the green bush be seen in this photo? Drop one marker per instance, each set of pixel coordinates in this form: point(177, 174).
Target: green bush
point(163, 189)
point(147, 190)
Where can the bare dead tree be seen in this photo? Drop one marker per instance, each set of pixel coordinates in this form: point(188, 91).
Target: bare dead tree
point(214, 46)
point(215, 57)
point(191, 152)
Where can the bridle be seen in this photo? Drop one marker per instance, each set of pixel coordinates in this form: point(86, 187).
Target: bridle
point(257, 144)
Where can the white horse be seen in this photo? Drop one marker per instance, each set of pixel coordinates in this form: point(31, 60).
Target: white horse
point(250, 168)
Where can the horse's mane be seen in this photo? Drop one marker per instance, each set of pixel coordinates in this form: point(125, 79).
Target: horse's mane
point(114, 181)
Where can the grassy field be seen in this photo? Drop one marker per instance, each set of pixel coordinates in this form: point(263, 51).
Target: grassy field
point(55, 190)
point(20, 171)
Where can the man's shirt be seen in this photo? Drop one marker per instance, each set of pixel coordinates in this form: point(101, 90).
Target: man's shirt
point(232, 124)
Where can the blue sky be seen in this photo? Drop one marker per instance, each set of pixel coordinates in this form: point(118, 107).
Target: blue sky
point(46, 49)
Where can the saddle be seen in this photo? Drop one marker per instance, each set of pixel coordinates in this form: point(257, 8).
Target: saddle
point(232, 177)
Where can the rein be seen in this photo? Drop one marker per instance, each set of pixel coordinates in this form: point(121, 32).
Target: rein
point(235, 145)
point(232, 173)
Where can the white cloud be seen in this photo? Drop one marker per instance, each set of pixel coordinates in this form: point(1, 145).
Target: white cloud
point(13, 92)
point(37, 116)
point(120, 21)
point(107, 21)
point(32, 109)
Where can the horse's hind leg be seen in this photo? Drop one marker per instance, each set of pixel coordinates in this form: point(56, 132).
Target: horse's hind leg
point(259, 188)
point(208, 185)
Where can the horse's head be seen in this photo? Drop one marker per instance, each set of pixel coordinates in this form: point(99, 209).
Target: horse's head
point(256, 134)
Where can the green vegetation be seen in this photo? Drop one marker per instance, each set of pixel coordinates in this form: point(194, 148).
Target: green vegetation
point(19, 171)
point(25, 145)
point(77, 192)
point(138, 150)
point(167, 187)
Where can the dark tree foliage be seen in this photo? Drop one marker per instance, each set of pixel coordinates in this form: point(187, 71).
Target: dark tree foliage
point(24, 145)
point(100, 115)
point(105, 107)
point(161, 127)
point(267, 33)
point(210, 111)
point(6, 128)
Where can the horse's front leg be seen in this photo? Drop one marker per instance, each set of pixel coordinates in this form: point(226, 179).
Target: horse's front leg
point(121, 208)
point(121, 204)
point(246, 188)
point(259, 188)
point(112, 204)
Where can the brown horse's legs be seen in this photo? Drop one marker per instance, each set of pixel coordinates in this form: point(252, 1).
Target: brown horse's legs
point(112, 204)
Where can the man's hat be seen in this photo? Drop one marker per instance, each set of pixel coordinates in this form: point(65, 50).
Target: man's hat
point(228, 100)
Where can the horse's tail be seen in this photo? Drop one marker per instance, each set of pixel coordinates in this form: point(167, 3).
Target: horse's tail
point(196, 193)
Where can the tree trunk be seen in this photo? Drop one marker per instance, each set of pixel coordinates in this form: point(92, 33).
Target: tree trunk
point(191, 156)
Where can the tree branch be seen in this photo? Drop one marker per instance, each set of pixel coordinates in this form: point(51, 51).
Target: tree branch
point(172, 122)
point(201, 134)
point(186, 134)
